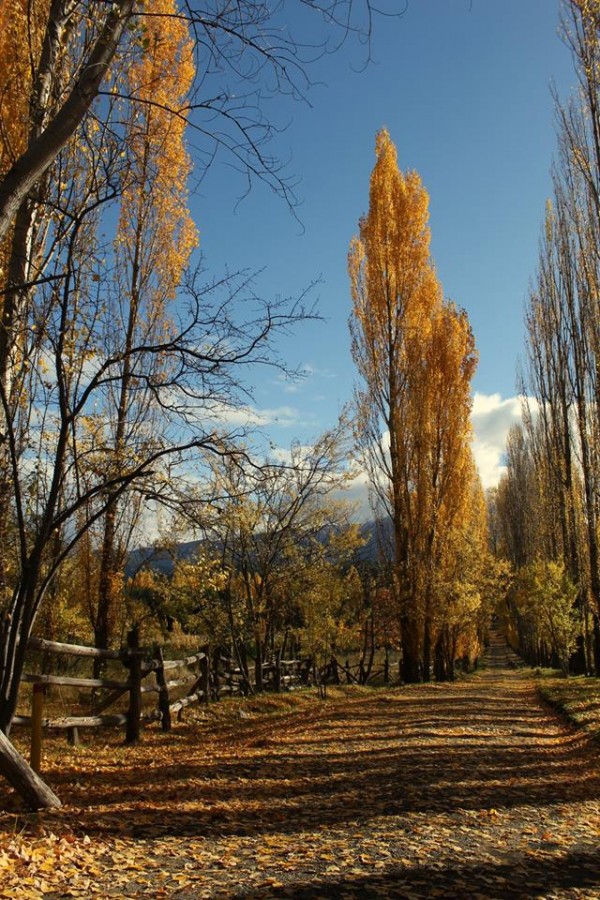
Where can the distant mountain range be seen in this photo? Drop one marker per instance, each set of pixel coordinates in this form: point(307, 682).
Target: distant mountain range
point(163, 560)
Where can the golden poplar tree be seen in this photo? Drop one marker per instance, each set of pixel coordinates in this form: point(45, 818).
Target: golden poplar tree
point(415, 355)
point(153, 244)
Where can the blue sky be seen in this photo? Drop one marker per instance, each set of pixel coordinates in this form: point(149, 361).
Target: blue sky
point(463, 87)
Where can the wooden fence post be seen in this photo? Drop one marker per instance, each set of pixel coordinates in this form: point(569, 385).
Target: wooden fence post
point(37, 710)
point(205, 678)
point(163, 691)
point(216, 662)
point(134, 662)
point(277, 680)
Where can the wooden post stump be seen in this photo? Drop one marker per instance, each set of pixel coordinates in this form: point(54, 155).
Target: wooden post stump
point(205, 678)
point(163, 692)
point(33, 790)
point(216, 674)
point(37, 711)
point(134, 662)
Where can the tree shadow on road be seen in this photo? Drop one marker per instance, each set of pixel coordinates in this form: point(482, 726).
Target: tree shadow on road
point(359, 761)
point(521, 879)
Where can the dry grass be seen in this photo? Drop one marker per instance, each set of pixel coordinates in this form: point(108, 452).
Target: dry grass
point(577, 698)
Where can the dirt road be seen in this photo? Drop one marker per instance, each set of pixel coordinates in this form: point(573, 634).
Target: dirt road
point(468, 790)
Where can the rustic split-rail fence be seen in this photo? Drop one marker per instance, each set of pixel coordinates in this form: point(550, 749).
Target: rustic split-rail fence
point(175, 683)
point(143, 673)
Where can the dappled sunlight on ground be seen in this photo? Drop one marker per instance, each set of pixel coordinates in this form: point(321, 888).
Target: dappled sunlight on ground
point(467, 789)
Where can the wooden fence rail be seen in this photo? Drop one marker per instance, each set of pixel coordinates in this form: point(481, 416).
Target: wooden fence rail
point(36, 643)
point(203, 682)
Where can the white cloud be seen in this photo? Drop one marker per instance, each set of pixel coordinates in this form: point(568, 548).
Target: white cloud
point(248, 416)
point(306, 374)
point(357, 493)
point(290, 384)
point(492, 417)
point(284, 455)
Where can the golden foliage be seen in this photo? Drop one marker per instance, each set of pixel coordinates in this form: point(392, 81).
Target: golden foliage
point(416, 354)
point(154, 202)
point(21, 34)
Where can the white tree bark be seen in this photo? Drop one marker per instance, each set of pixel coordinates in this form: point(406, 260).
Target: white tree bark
point(42, 152)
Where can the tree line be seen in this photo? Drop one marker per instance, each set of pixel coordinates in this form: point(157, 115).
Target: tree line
point(119, 357)
point(545, 512)
point(121, 362)
point(415, 355)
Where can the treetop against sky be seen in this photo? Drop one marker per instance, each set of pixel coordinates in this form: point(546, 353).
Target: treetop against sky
point(464, 88)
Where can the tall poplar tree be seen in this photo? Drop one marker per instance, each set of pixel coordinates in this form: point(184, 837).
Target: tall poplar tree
point(415, 355)
point(152, 248)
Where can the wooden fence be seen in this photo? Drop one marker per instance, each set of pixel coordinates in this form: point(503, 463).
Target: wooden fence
point(201, 678)
point(335, 672)
point(138, 664)
point(143, 673)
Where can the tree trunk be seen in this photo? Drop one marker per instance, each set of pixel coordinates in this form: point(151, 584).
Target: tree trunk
point(134, 663)
point(427, 650)
point(439, 659)
point(20, 776)
point(106, 594)
point(258, 664)
point(410, 666)
point(14, 638)
point(596, 643)
point(42, 151)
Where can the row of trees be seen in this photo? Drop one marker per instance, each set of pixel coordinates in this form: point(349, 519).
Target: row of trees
point(283, 555)
point(547, 507)
point(117, 363)
point(415, 354)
